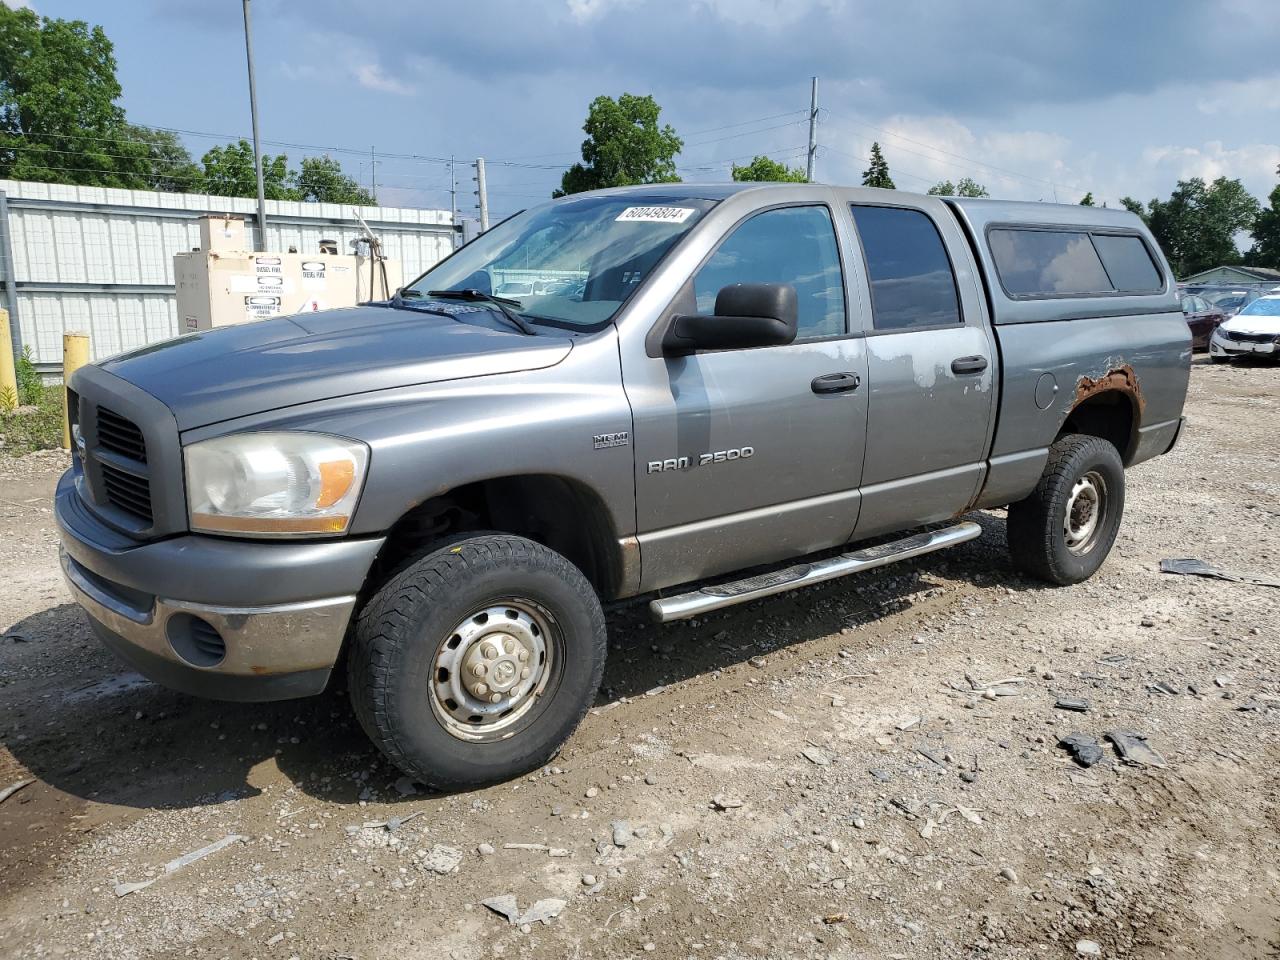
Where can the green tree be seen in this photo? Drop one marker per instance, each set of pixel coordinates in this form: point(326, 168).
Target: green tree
point(161, 160)
point(1087, 200)
point(624, 146)
point(967, 187)
point(321, 179)
point(877, 175)
point(1134, 206)
point(1197, 225)
point(1266, 233)
point(229, 172)
point(59, 119)
point(763, 170)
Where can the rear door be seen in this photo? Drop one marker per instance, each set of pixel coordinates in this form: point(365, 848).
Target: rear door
point(932, 367)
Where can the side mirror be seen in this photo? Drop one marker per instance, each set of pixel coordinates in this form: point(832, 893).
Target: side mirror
point(747, 315)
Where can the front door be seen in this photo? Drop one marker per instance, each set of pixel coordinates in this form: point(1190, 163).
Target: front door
point(743, 456)
point(932, 368)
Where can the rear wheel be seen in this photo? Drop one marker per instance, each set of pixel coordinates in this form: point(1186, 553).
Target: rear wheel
point(475, 663)
point(1064, 530)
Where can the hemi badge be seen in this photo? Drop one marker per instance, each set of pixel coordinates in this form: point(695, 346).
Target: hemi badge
point(602, 440)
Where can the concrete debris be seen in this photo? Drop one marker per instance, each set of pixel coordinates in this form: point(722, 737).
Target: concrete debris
point(815, 755)
point(724, 802)
point(1198, 568)
point(1164, 687)
point(1088, 948)
point(621, 832)
point(406, 786)
point(1133, 748)
point(391, 824)
point(1075, 704)
point(441, 859)
point(173, 866)
point(544, 911)
point(13, 788)
point(1085, 750)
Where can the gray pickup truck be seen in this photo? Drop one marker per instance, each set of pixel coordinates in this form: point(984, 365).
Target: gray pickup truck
point(709, 394)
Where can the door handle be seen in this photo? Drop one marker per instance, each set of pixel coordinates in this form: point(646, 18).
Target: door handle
point(836, 382)
point(974, 364)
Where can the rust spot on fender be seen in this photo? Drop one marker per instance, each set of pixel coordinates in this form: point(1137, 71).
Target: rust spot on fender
point(1121, 379)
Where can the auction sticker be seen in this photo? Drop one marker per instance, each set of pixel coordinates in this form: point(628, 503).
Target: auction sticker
point(654, 215)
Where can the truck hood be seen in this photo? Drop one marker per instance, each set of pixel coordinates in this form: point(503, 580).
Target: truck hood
point(254, 367)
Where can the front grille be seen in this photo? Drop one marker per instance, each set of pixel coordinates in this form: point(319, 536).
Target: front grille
point(127, 492)
point(1249, 337)
point(120, 435)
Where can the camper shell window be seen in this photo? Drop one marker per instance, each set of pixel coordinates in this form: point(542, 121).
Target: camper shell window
point(1039, 263)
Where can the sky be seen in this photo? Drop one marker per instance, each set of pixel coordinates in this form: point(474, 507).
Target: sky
point(1037, 100)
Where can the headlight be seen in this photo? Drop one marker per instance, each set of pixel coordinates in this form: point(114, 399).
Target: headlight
point(274, 484)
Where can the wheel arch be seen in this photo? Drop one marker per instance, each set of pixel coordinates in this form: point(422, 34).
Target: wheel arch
point(561, 513)
point(1110, 408)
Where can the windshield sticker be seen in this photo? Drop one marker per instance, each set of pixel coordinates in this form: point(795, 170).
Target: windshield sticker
point(654, 215)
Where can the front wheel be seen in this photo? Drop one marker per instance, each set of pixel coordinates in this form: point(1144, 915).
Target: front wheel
point(1064, 530)
point(476, 662)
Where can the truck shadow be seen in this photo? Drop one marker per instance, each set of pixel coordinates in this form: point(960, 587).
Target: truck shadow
point(87, 726)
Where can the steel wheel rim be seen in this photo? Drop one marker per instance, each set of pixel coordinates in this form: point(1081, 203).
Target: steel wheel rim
point(1082, 521)
point(493, 668)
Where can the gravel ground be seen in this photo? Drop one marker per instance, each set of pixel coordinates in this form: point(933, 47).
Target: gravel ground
point(831, 773)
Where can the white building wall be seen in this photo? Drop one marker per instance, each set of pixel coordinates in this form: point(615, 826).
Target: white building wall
point(101, 260)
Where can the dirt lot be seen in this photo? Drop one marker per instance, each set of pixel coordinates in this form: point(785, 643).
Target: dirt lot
point(823, 774)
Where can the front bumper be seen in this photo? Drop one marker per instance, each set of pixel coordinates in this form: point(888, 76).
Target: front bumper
point(1220, 346)
point(227, 619)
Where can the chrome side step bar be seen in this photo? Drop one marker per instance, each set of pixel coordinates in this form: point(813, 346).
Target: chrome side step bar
point(682, 606)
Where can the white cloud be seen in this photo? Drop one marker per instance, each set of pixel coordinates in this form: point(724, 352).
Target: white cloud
point(371, 76)
point(1245, 98)
point(1251, 162)
point(1015, 164)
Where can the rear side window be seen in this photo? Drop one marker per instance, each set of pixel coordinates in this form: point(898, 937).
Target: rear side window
point(1128, 263)
point(1061, 263)
point(912, 282)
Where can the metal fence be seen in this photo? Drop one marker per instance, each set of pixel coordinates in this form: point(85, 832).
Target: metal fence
point(101, 260)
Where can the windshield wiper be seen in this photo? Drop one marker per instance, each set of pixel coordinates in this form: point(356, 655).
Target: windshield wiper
point(502, 303)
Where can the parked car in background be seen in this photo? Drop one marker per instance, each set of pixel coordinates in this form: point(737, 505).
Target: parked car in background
point(513, 289)
point(1253, 332)
point(1203, 318)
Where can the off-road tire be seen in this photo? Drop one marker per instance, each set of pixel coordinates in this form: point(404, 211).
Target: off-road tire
point(1037, 539)
point(399, 633)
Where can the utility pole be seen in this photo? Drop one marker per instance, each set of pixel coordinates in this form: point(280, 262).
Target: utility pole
point(373, 176)
point(482, 195)
point(257, 144)
point(813, 128)
point(453, 200)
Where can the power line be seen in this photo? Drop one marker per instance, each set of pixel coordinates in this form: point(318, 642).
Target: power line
point(959, 156)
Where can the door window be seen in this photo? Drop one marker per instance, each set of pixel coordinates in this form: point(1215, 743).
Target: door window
point(912, 282)
point(795, 245)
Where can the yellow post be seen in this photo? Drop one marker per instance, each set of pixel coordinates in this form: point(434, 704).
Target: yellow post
point(8, 375)
point(75, 354)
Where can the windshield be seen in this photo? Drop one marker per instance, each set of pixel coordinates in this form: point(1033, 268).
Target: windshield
point(1267, 307)
point(572, 263)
